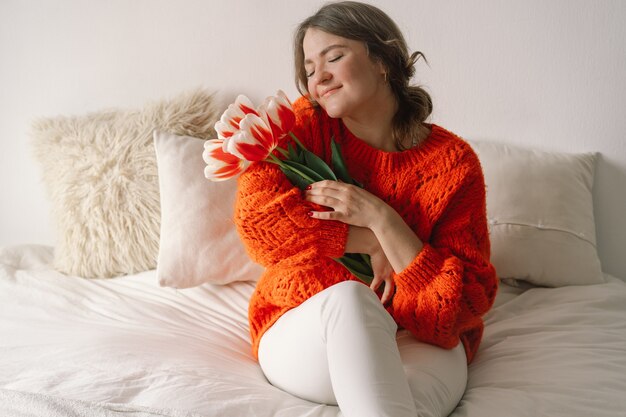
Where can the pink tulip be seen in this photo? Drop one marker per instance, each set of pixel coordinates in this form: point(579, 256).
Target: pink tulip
point(254, 141)
point(221, 165)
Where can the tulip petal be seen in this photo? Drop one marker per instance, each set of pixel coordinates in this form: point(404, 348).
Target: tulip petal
point(221, 165)
point(280, 113)
point(229, 122)
point(254, 141)
point(245, 105)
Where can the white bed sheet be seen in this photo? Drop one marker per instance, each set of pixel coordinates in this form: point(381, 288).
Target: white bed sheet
point(95, 344)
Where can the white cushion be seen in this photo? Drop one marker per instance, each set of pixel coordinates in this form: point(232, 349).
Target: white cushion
point(198, 241)
point(540, 211)
point(101, 176)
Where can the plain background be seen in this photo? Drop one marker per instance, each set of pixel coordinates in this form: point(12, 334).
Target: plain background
point(542, 73)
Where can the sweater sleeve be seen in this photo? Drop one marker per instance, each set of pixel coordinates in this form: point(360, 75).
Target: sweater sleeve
point(450, 284)
point(272, 216)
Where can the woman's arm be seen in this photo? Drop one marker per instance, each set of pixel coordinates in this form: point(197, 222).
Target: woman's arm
point(375, 228)
point(443, 286)
point(444, 292)
point(272, 219)
point(384, 227)
point(400, 244)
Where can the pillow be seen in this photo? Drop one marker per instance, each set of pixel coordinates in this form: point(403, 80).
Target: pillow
point(540, 211)
point(101, 175)
point(199, 241)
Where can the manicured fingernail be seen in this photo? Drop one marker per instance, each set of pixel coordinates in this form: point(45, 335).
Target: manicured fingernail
point(310, 213)
point(308, 187)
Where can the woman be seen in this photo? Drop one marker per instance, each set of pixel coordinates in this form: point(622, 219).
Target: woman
point(319, 333)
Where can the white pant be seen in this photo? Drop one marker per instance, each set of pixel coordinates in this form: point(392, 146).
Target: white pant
point(341, 347)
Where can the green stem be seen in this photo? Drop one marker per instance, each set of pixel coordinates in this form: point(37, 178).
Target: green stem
point(295, 138)
point(275, 160)
point(282, 151)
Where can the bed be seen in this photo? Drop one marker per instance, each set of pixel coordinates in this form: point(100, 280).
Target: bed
point(154, 323)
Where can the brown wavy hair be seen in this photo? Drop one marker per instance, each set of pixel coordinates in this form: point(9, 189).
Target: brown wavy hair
point(385, 43)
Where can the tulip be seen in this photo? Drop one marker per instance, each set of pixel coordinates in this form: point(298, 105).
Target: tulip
point(221, 165)
point(254, 141)
point(228, 124)
point(279, 113)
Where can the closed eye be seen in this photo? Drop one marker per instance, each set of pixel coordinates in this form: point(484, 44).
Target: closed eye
point(337, 58)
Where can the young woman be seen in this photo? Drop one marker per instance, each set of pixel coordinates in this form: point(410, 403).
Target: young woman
point(317, 331)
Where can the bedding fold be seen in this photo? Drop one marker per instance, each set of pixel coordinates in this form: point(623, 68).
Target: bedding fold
point(126, 346)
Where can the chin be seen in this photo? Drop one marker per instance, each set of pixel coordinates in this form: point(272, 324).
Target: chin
point(336, 112)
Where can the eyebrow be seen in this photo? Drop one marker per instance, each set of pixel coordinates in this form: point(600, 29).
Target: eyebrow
point(327, 50)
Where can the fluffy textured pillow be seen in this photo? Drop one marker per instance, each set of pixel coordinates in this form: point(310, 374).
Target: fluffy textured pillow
point(199, 242)
point(540, 211)
point(100, 172)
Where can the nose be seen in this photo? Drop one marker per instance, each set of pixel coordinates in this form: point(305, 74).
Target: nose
point(321, 76)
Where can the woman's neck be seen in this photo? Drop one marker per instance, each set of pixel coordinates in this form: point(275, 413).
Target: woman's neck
point(373, 124)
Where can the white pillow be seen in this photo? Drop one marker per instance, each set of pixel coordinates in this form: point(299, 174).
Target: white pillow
point(198, 241)
point(540, 211)
point(100, 174)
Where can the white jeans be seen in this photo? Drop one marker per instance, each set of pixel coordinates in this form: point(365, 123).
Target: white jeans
point(341, 347)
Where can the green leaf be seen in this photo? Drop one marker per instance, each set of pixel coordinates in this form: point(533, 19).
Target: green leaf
point(366, 258)
point(293, 154)
point(297, 141)
point(353, 265)
point(356, 263)
point(295, 178)
point(318, 165)
point(303, 170)
point(338, 163)
point(355, 269)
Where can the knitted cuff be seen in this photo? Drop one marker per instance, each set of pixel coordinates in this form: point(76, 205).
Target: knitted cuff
point(333, 236)
point(425, 267)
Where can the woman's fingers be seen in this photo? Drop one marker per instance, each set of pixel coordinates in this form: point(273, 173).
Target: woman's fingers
point(330, 198)
point(376, 282)
point(323, 200)
point(349, 204)
point(383, 275)
point(388, 291)
point(330, 185)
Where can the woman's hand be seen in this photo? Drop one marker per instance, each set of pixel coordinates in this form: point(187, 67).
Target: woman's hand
point(363, 240)
point(351, 204)
point(382, 274)
point(358, 207)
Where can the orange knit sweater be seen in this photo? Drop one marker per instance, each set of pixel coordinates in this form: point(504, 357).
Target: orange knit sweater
point(437, 187)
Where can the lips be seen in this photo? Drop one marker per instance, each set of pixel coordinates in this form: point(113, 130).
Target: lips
point(329, 91)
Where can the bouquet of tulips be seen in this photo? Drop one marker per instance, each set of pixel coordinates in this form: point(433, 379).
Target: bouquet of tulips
point(247, 134)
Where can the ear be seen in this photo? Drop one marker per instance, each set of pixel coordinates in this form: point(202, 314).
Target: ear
point(382, 68)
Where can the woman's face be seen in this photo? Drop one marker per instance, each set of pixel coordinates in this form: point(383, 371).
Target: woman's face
point(341, 76)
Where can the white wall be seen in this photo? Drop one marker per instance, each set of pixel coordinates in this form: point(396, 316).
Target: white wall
point(547, 73)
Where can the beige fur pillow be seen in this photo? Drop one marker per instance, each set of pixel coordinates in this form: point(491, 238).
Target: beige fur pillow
point(100, 172)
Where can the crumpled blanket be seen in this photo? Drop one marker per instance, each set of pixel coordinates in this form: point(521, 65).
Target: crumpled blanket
point(28, 404)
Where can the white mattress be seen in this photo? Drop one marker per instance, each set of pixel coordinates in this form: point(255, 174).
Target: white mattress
point(125, 345)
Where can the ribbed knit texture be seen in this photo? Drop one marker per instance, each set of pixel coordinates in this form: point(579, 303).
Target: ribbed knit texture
point(438, 189)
